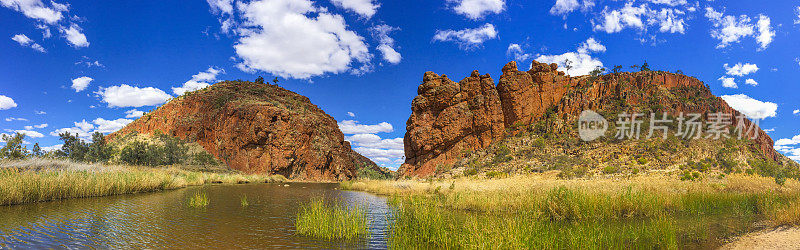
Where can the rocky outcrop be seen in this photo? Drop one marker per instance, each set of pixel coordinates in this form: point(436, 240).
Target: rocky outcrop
point(451, 118)
point(257, 128)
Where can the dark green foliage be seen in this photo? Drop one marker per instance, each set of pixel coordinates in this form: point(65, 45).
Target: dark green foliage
point(775, 170)
point(204, 159)
point(36, 151)
point(99, 150)
point(679, 72)
point(645, 67)
point(610, 170)
point(275, 81)
point(260, 80)
point(597, 71)
point(495, 175)
point(502, 154)
point(13, 148)
point(135, 153)
point(617, 69)
point(74, 148)
point(169, 152)
point(689, 175)
point(366, 172)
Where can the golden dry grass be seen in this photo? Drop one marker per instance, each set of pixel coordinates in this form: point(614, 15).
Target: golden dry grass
point(38, 180)
point(541, 210)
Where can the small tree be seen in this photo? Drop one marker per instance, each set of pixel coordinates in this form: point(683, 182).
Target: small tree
point(617, 69)
point(37, 151)
point(74, 148)
point(597, 71)
point(99, 150)
point(679, 72)
point(260, 80)
point(645, 67)
point(275, 81)
point(634, 66)
point(13, 148)
point(567, 65)
point(174, 151)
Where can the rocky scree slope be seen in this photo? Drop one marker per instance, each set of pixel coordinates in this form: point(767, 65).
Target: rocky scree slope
point(257, 128)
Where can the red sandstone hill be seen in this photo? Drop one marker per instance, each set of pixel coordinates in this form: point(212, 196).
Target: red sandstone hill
point(257, 128)
point(452, 119)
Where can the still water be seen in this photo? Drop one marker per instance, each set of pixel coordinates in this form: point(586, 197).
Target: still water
point(163, 220)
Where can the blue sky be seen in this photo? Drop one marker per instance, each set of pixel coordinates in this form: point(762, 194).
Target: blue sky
point(85, 66)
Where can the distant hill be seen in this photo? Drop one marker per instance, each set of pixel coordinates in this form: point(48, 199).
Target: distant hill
point(257, 128)
point(529, 122)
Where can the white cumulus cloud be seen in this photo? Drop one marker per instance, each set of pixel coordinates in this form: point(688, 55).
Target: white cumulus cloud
point(386, 46)
point(515, 51)
point(467, 38)
point(199, 81)
point(354, 127)
point(28, 133)
point(731, 29)
point(477, 9)
point(85, 129)
point(80, 83)
point(35, 9)
point(728, 82)
point(752, 108)
point(295, 39)
point(365, 141)
point(7, 103)
point(581, 62)
point(25, 41)
point(75, 36)
point(740, 69)
point(765, 32)
point(133, 113)
point(750, 81)
point(564, 7)
point(364, 8)
point(128, 96)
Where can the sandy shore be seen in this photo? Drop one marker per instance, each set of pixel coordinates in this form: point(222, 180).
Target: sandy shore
point(775, 238)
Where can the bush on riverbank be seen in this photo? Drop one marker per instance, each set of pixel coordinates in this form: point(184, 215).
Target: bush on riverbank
point(37, 179)
point(331, 221)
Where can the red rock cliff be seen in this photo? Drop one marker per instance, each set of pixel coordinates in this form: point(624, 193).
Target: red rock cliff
point(257, 128)
point(451, 118)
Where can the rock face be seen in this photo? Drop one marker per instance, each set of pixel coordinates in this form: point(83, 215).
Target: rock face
point(451, 118)
point(257, 128)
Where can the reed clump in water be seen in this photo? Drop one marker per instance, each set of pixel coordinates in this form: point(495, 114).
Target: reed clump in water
point(198, 200)
point(331, 221)
point(243, 201)
point(36, 180)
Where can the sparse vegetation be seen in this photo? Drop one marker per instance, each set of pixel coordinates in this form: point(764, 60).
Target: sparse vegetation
point(538, 211)
point(37, 179)
point(331, 221)
point(197, 200)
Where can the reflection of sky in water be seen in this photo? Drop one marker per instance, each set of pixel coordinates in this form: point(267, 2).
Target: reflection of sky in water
point(162, 220)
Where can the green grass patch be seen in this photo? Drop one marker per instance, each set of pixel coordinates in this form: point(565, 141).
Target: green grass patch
point(198, 200)
point(331, 221)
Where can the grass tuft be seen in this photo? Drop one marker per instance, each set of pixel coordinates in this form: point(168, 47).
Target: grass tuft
point(331, 221)
point(243, 201)
point(198, 200)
